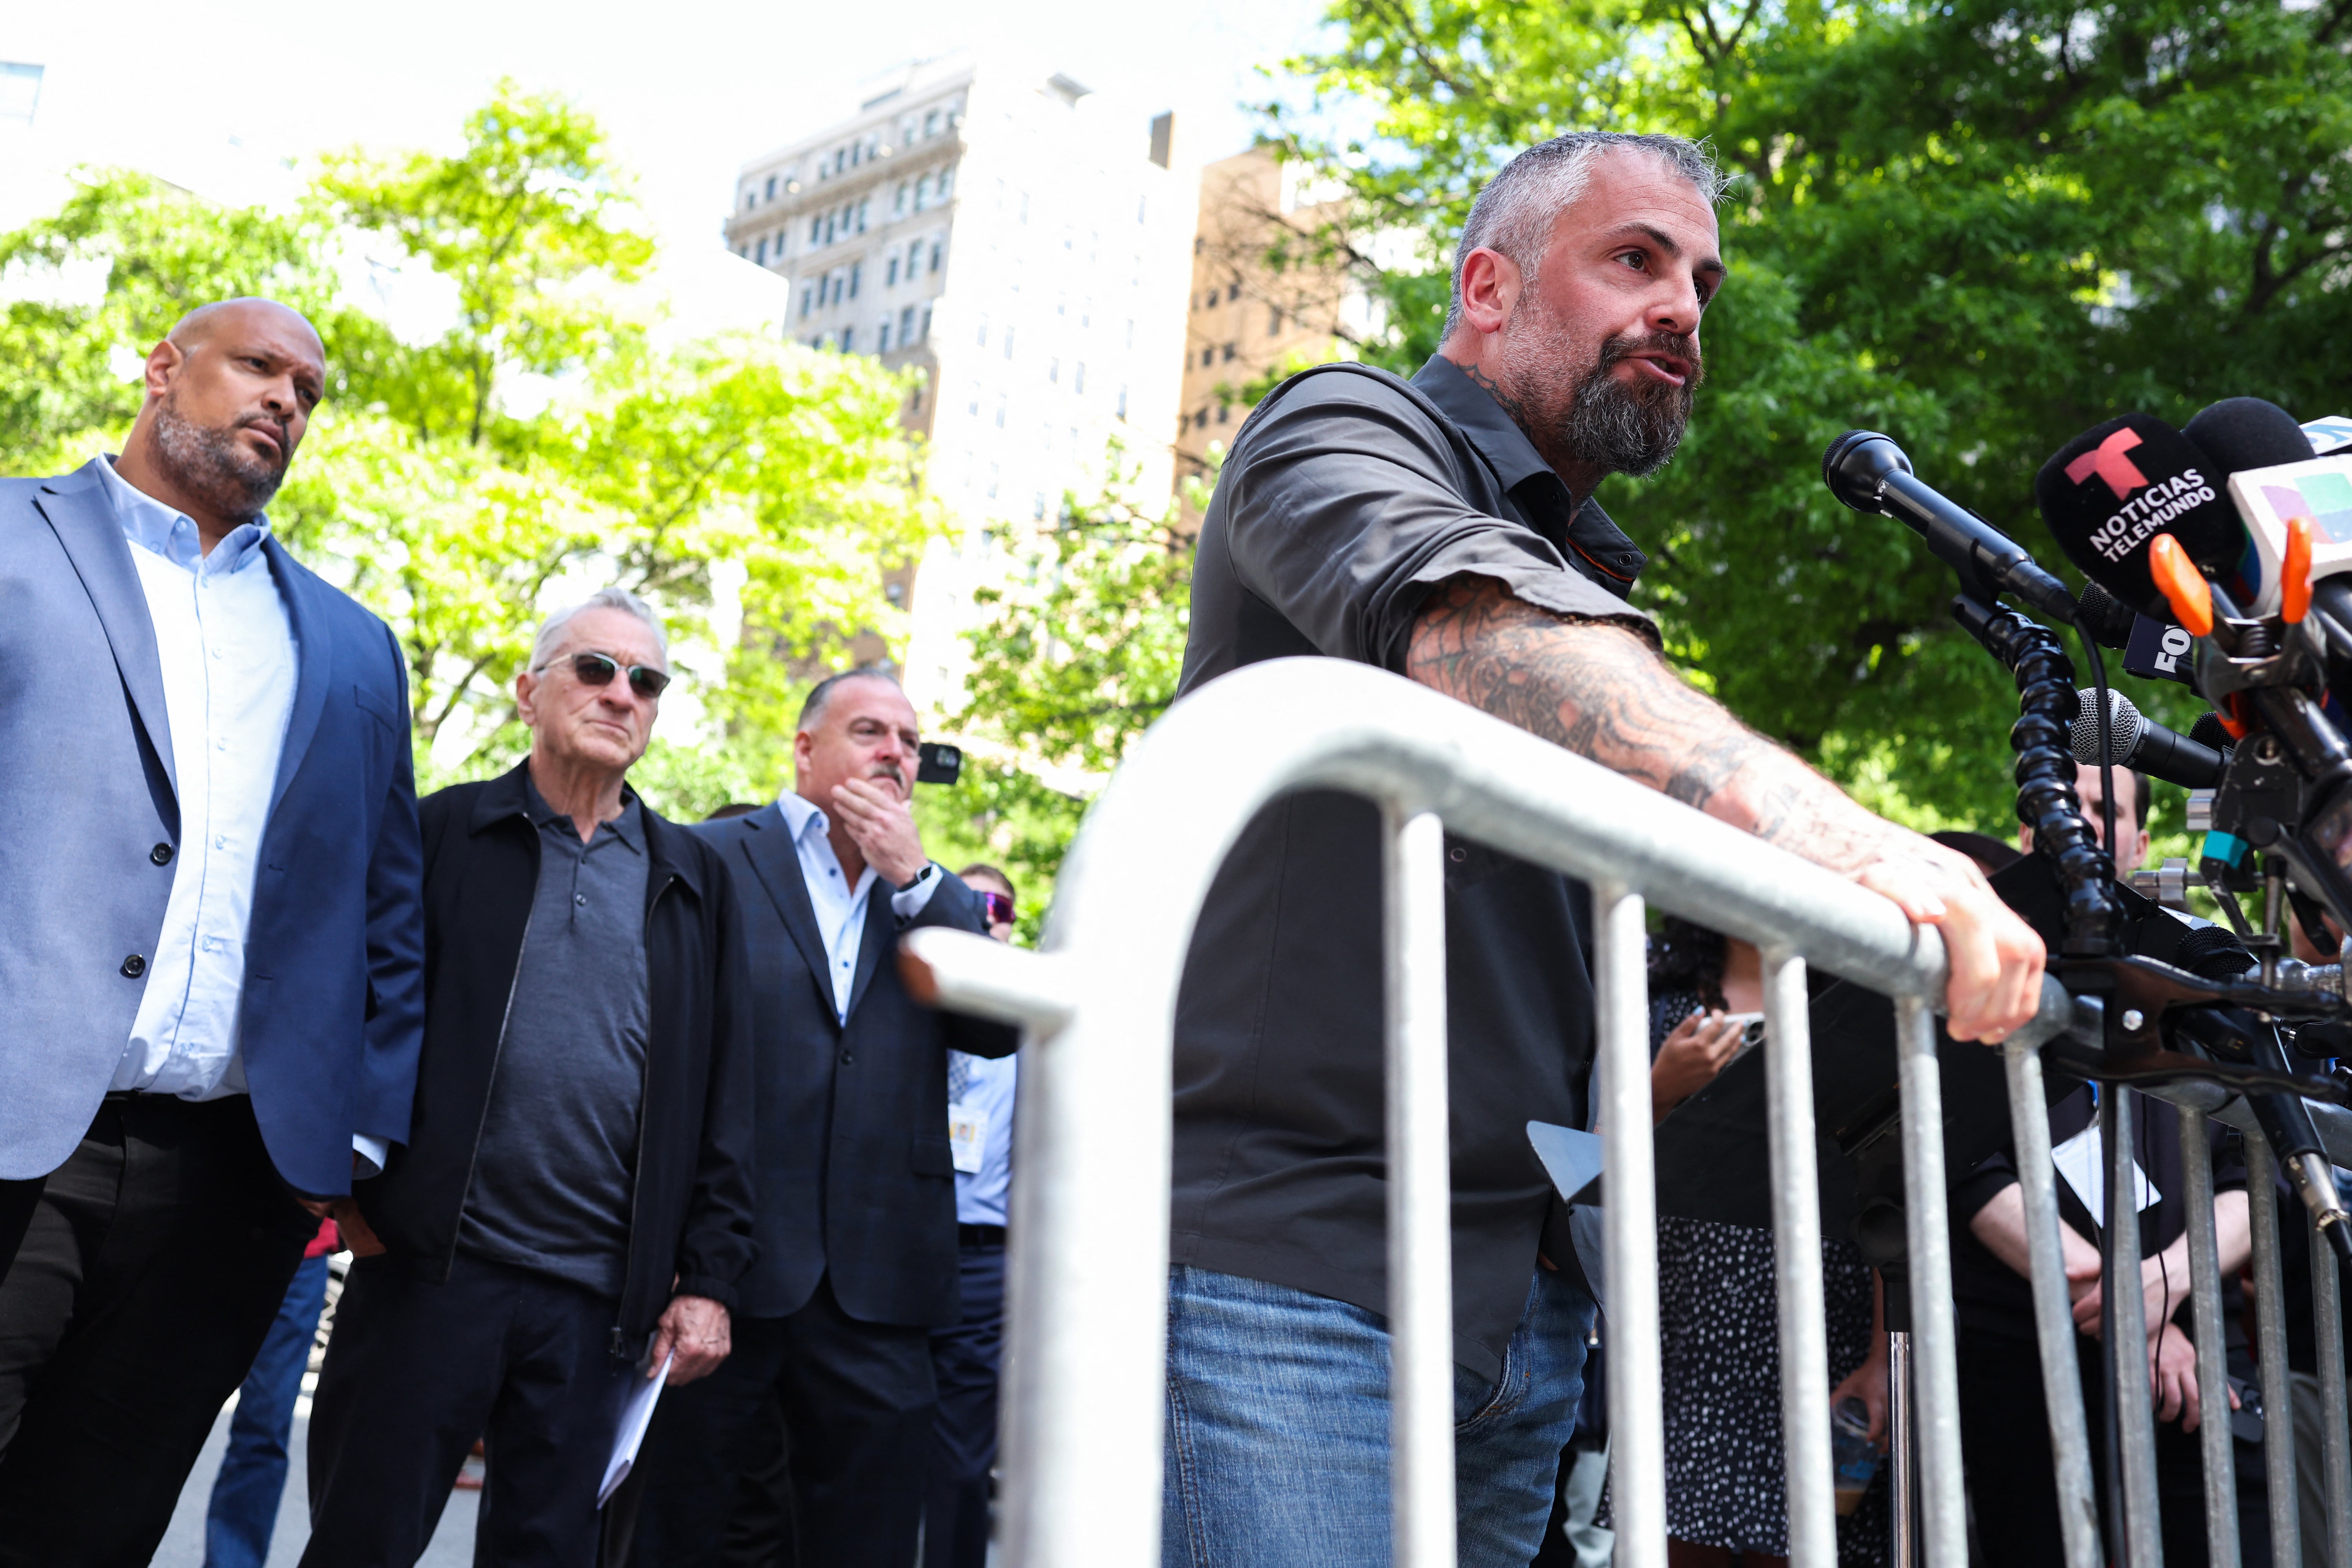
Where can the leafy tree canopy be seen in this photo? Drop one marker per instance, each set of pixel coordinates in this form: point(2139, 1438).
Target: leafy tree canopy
point(546, 440)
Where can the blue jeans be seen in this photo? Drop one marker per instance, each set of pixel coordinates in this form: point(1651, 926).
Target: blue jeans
point(1279, 1428)
point(252, 1477)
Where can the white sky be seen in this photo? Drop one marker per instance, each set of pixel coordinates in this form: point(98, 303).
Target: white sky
point(686, 91)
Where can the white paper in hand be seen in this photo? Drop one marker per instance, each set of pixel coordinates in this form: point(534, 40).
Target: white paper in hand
point(2082, 1160)
point(635, 1416)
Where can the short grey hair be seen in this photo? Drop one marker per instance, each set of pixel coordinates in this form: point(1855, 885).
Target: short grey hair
point(619, 599)
point(1515, 214)
point(813, 707)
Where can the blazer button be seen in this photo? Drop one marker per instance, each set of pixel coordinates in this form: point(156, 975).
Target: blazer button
point(160, 854)
point(134, 966)
point(847, 1058)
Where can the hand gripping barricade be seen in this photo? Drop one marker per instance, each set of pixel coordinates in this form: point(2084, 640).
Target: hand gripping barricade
point(1088, 1292)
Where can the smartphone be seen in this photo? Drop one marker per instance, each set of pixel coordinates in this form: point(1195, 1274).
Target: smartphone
point(938, 763)
point(1751, 1032)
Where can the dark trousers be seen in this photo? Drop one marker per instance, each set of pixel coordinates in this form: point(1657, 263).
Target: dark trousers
point(857, 1403)
point(243, 1513)
point(417, 1372)
point(964, 1362)
point(153, 1263)
point(2005, 1451)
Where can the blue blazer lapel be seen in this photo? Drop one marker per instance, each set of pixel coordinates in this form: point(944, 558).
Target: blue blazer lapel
point(880, 943)
point(78, 512)
point(766, 841)
point(314, 660)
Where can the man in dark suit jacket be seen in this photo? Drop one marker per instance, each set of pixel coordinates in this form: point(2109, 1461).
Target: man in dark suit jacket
point(856, 1220)
point(210, 997)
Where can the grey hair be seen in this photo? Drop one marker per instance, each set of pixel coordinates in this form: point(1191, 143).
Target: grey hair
point(619, 599)
point(1515, 214)
point(813, 707)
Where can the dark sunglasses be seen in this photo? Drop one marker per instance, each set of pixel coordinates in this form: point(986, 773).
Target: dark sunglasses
point(999, 906)
point(598, 670)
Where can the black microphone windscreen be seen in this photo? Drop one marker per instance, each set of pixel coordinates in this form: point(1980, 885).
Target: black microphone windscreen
point(2241, 432)
point(2108, 618)
point(2208, 730)
point(2111, 491)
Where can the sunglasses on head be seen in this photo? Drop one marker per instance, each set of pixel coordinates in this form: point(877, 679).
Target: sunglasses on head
point(1000, 907)
point(598, 670)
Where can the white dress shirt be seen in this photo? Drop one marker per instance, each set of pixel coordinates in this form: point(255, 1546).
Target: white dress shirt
point(226, 648)
point(840, 908)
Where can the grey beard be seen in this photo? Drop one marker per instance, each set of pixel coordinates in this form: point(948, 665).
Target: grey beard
point(1622, 429)
point(211, 464)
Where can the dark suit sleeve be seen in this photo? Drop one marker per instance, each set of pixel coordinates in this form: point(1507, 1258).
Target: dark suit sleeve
point(958, 908)
point(716, 1248)
point(396, 944)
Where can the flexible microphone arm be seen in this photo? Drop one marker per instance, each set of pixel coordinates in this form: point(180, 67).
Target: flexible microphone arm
point(2046, 800)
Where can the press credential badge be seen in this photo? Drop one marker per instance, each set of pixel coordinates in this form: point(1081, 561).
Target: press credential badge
point(967, 1135)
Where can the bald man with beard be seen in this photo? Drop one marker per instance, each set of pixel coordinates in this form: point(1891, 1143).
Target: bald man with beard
point(210, 964)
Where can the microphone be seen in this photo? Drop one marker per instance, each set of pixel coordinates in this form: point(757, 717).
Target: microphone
point(2110, 491)
point(1869, 472)
point(2108, 618)
point(2241, 432)
point(2136, 741)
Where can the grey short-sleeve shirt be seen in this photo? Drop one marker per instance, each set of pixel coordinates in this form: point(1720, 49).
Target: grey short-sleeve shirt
point(1348, 497)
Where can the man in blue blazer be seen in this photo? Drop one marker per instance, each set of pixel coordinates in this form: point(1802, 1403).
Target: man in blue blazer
point(210, 1001)
point(855, 1213)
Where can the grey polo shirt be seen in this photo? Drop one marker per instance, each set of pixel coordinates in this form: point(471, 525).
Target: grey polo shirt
point(554, 1172)
point(1348, 497)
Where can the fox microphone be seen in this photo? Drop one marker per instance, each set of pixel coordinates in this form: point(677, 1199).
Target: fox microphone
point(1869, 472)
point(2136, 741)
point(2111, 491)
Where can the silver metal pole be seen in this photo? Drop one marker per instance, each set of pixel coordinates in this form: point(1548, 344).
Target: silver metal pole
point(1935, 1376)
point(1637, 1435)
point(1797, 1247)
point(2327, 1327)
point(2270, 1340)
point(1901, 1451)
point(2213, 1373)
point(1420, 1183)
point(2054, 1313)
point(2135, 1418)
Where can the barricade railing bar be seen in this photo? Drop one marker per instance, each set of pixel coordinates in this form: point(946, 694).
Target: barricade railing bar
point(1083, 1381)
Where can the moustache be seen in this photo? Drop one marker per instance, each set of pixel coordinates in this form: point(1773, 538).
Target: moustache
point(1679, 345)
point(276, 430)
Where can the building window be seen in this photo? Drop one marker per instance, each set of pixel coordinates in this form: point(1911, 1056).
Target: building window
point(1208, 356)
point(808, 297)
point(926, 335)
point(749, 197)
point(1000, 414)
point(947, 181)
point(1079, 377)
point(1130, 331)
point(861, 215)
point(991, 481)
point(931, 123)
point(938, 248)
point(848, 339)
point(1230, 350)
point(1037, 508)
point(907, 325)
point(1024, 206)
point(858, 268)
point(922, 193)
point(1224, 410)
point(772, 187)
point(972, 408)
point(1008, 342)
point(1274, 322)
point(760, 256)
point(816, 230)
point(1121, 409)
point(1053, 371)
point(884, 345)
point(890, 279)
point(983, 331)
point(898, 206)
point(1233, 291)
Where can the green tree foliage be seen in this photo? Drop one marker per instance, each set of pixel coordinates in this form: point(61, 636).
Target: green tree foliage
point(460, 512)
point(1081, 651)
point(1980, 226)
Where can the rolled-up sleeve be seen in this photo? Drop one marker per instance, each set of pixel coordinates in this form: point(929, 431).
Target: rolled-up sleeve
point(1348, 510)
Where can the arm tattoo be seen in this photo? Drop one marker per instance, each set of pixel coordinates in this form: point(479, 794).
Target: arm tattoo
point(1600, 691)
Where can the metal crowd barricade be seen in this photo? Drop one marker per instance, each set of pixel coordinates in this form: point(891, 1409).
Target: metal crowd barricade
point(1084, 1378)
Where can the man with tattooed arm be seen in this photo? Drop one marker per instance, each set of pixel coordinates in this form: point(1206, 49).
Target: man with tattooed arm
point(1444, 528)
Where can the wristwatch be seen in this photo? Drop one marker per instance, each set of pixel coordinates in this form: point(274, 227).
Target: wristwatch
point(921, 876)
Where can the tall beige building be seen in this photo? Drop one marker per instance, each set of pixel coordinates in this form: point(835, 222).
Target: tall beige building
point(1021, 242)
point(1273, 292)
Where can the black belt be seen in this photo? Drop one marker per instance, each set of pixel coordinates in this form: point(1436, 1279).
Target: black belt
point(980, 1235)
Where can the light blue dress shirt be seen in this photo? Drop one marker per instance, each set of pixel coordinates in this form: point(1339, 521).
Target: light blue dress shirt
point(840, 908)
point(226, 648)
point(230, 666)
point(989, 1087)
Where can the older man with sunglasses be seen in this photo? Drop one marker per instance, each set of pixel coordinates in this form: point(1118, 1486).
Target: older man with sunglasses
point(573, 1211)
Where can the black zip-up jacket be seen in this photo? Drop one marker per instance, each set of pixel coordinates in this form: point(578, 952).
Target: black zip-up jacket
point(691, 1205)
